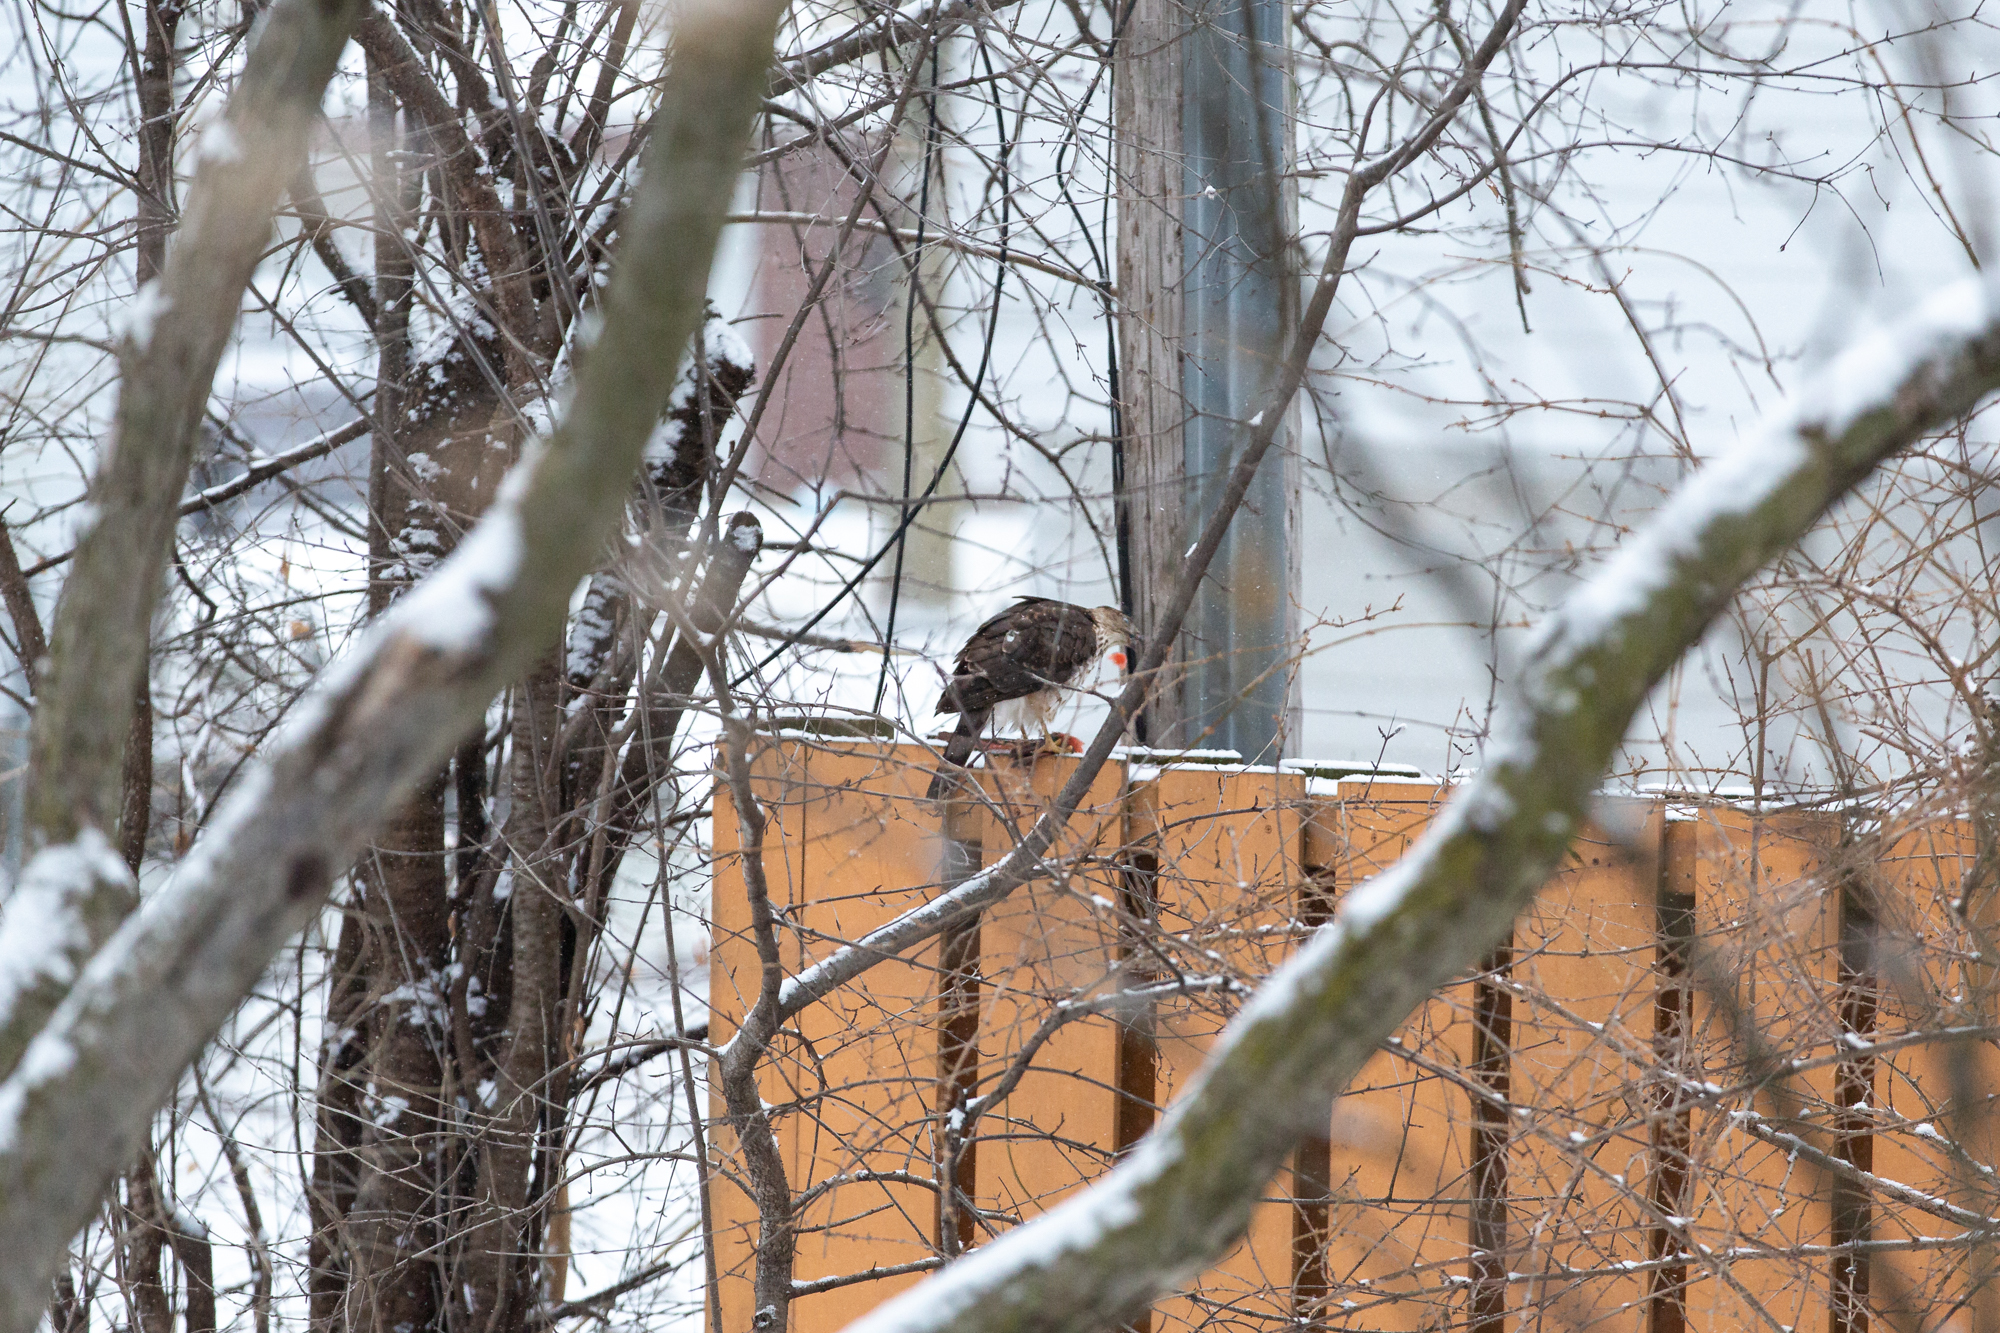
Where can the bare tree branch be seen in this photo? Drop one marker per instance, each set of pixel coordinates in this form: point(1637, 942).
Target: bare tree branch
point(899, 29)
point(379, 723)
point(260, 471)
point(471, 179)
point(29, 639)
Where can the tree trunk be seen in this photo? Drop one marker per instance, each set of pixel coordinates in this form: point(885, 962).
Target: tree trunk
point(393, 1279)
point(145, 1221)
point(337, 1116)
point(141, 1240)
point(494, 1271)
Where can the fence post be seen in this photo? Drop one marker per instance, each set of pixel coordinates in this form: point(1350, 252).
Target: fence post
point(958, 1039)
point(1671, 1124)
point(1312, 1162)
point(1854, 1083)
point(1492, 1035)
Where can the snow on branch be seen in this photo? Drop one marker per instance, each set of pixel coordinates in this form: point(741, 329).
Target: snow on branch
point(173, 339)
point(75, 891)
point(77, 1107)
point(1185, 1194)
point(67, 901)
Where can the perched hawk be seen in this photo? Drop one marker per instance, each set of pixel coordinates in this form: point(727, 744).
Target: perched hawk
point(1017, 663)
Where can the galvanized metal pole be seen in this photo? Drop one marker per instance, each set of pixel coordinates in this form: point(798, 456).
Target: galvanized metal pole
point(1241, 301)
point(1208, 296)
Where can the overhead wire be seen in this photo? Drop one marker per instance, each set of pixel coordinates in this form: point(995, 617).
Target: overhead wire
point(916, 269)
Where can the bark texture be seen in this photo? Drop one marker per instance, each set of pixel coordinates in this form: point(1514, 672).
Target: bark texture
point(1153, 413)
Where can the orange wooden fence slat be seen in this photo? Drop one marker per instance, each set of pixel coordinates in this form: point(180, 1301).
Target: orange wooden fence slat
point(878, 849)
point(733, 978)
point(1051, 942)
point(1584, 968)
point(1933, 1116)
point(1400, 1135)
point(861, 847)
point(1227, 843)
point(1766, 974)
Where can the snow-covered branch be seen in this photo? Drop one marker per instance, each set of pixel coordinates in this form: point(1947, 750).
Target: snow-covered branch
point(77, 1106)
point(173, 340)
point(1186, 1193)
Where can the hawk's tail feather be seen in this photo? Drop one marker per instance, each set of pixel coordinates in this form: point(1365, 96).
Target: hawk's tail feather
point(957, 751)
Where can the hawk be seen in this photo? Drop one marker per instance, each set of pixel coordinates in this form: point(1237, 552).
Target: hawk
point(1019, 661)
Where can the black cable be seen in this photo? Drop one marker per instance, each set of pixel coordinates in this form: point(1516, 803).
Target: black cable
point(1120, 502)
point(1121, 499)
point(1121, 520)
point(910, 369)
point(972, 403)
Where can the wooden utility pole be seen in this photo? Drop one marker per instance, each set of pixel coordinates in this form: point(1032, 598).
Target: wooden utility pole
point(1208, 297)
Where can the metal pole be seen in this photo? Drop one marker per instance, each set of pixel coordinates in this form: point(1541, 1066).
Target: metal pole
point(1240, 301)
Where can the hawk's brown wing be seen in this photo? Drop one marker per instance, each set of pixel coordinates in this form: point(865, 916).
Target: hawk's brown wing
point(1033, 645)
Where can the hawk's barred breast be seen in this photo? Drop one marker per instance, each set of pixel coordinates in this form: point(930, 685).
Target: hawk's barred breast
point(1021, 659)
point(1034, 645)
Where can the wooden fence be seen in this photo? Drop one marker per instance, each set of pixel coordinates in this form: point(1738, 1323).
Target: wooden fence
point(1730, 1073)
